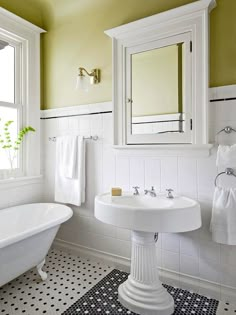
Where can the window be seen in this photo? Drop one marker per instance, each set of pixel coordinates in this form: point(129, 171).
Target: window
point(19, 93)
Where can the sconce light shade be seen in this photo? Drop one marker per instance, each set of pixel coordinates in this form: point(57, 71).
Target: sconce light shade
point(82, 82)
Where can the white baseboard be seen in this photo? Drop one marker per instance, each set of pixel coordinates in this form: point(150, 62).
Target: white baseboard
point(115, 261)
point(198, 285)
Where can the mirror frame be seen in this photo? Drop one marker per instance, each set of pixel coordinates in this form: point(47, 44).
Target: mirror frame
point(192, 18)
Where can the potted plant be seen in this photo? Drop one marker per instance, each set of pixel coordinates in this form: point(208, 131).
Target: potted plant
point(11, 146)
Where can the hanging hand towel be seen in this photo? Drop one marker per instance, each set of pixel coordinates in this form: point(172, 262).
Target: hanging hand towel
point(70, 170)
point(68, 146)
point(223, 220)
point(226, 156)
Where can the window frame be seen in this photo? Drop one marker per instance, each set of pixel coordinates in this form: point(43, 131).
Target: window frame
point(18, 31)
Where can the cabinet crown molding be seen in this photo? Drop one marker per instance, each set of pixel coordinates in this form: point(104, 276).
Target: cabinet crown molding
point(120, 32)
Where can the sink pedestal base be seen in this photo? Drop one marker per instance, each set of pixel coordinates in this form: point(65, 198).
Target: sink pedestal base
point(142, 292)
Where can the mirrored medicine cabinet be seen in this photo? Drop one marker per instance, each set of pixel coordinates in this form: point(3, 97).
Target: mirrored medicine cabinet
point(160, 78)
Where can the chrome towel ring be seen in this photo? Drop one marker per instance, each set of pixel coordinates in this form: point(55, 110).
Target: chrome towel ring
point(228, 171)
point(227, 130)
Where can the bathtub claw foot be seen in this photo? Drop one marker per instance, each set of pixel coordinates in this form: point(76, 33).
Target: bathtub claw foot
point(42, 273)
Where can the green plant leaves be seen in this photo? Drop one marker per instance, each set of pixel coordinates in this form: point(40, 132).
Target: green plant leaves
point(6, 142)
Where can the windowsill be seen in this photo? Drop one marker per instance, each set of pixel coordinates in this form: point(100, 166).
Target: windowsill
point(20, 181)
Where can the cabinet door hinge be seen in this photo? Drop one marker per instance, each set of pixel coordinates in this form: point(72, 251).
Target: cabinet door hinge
point(191, 46)
point(191, 124)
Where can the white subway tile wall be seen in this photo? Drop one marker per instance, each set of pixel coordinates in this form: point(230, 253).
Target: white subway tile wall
point(28, 193)
point(191, 253)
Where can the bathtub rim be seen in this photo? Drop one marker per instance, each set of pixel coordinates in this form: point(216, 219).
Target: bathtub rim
point(32, 231)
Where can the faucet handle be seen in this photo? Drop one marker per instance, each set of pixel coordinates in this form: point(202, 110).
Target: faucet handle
point(136, 188)
point(169, 193)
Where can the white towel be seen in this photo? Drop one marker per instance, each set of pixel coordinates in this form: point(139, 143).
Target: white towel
point(70, 170)
point(226, 156)
point(223, 220)
point(68, 147)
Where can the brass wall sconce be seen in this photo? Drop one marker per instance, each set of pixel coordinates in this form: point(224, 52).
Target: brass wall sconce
point(82, 82)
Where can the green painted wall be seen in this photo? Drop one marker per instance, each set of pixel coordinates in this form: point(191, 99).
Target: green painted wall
point(75, 38)
point(223, 44)
point(30, 10)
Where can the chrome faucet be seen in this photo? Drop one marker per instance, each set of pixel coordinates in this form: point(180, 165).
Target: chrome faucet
point(136, 192)
point(169, 193)
point(151, 192)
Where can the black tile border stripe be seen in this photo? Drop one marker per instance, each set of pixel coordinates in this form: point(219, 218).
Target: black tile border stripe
point(75, 115)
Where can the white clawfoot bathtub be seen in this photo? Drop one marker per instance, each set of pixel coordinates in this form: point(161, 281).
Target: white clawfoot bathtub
point(26, 234)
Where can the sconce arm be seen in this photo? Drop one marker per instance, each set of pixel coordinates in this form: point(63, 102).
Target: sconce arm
point(83, 69)
point(95, 73)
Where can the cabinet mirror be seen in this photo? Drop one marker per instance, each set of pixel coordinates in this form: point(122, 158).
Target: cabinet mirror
point(157, 78)
point(159, 107)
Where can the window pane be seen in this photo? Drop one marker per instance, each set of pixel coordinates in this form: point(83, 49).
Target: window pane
point(7, 114)
point(7, 74)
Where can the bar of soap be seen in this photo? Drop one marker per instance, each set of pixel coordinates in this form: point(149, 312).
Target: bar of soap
point(116, 191)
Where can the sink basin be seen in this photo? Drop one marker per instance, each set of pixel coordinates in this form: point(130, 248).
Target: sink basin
point(142, 292)
point(149, 214)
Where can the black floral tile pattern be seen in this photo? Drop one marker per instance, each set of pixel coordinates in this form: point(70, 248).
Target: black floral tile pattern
point(103, 299)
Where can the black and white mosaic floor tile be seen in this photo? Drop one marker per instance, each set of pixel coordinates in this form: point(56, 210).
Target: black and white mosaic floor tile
point(93, 285)
point(225, 308)
point(69, 278)
point(103, 299)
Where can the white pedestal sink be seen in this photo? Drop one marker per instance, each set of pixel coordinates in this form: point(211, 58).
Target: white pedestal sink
point(143, 292)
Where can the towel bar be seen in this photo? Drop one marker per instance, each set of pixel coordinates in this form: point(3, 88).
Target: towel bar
point(228, 171)
point(95, 138)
